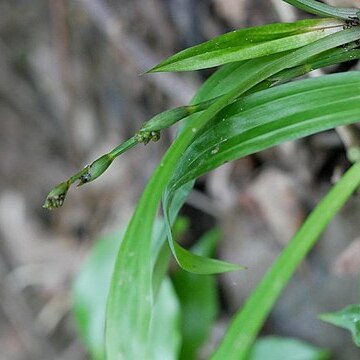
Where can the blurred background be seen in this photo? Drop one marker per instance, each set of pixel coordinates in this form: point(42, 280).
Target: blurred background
point(71, 89)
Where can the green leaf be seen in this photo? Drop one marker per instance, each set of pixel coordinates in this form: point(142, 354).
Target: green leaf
point(347, 318)
point(164, 254)
point(90, 292)
point(250, 43)
point(165, 336)
point(131, 314)
point(318, 8)
point(199, 300)
point(275, 348)
point(227, 76)
point(338, 55)
point(248, 321)
point(138, 236)
point(151, 129)
point(260, 71)
point(269, 117)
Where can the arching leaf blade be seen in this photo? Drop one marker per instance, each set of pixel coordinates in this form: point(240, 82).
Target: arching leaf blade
point(132, 273)
point(249, 81)
point(270, 117)
point(250, 43)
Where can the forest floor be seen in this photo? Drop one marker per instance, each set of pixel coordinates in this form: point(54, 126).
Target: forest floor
point(70, 90)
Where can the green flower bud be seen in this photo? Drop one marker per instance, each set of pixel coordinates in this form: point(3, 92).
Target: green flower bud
point(95, 169)
point(145, 136)
point(56, 196)
point(155, 136)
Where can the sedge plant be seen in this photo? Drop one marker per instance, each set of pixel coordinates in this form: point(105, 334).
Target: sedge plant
point(257, 99)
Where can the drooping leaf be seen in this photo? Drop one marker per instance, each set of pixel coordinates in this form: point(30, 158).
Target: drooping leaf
point(250, 43)
point(138, 235)
point(275, 348)
point(231, 73)
point(163, 257)
point(270, 117)
point(347, 318)
point(248, 321)
point(226, 78)
point(131, 314)
point(264, 70)
point(199, 300)
point(185, 258)
point(318, 8)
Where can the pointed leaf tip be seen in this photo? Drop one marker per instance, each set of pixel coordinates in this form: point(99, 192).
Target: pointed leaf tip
point(249, 43)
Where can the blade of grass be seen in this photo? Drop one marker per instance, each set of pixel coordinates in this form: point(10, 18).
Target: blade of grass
point(269, 117)
point(248, 322)
point(250, 43)
point(234, 72)
point(186, 259)
point(129, 305)
point(222, 81)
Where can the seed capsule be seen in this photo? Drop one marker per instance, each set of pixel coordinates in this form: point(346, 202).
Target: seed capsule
point(56, 196)
point(95, 169)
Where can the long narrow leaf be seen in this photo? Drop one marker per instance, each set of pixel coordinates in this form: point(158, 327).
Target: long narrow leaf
point(250, 43)
point(186, 259)
point(247, 323)
point(232, 73)
point(270, 117)
point(123, 326)
point(131, 314)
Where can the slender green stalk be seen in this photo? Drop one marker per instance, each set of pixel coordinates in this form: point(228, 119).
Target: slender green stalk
point(89, 173)
point(320, 9)
point(172, 116)
point(248, 322)
point(125, 146)
point(151, 129)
